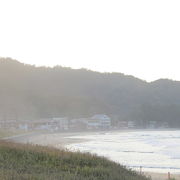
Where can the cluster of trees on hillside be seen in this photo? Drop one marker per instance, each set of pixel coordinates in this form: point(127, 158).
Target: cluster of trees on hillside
point(33, 92)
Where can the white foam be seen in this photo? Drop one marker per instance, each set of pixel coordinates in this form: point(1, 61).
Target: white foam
point(157, 151)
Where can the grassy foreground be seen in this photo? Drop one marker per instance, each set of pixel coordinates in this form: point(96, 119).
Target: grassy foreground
point(18, 161)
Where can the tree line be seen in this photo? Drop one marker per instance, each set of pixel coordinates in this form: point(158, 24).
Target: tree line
point(30, 92)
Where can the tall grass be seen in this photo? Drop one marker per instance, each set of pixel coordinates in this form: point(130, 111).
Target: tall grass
point(19, 161)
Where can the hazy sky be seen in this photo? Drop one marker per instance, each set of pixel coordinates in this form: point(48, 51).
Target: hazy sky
point(137, 37)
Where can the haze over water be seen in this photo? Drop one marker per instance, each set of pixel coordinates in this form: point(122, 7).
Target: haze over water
point(155, 151)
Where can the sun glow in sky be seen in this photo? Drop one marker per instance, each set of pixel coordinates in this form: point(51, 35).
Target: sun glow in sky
point(136, 37)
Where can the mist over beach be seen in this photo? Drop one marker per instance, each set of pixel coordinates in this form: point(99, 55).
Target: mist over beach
point(90, 90)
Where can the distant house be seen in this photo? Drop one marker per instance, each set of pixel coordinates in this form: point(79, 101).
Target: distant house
point(131, 124)
point(61, 123)
point(165, 125)
point(93, 124)
point(152, 124)
point(23, 127)
point(99, 121)
point(40, 124)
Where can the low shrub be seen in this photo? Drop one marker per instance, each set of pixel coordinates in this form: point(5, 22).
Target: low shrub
point(18, 161)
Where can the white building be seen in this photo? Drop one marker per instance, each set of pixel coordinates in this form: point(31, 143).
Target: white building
point(101, 121)
point(131, 124)
point(61, 123)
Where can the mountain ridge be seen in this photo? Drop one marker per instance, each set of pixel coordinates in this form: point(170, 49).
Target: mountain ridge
point(27, 91)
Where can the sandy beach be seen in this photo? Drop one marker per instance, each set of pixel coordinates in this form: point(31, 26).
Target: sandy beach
point(161, 176)
point(57, 140)
point(60, 140)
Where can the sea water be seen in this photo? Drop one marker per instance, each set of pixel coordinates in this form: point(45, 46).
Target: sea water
point(155, 151)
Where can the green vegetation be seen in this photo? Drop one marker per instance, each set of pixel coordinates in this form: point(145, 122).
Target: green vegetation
point(30, 93)
point(19, 161)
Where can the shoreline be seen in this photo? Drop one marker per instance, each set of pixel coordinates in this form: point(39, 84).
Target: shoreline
point(60, 140)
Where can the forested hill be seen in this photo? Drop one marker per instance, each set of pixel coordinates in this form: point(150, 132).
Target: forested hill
point(33, 92)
